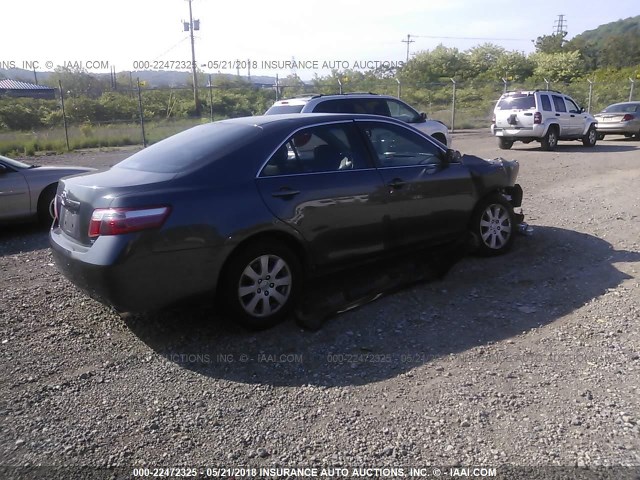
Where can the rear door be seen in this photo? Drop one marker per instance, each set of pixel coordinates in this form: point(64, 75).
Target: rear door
point(563, 116)
point(429, 201)
point(321, 183)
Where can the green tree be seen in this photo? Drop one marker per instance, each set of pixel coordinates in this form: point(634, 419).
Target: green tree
point(558, 67)
point(551, 43)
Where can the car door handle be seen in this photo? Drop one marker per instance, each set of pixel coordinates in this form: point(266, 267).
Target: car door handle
point(397, 183)
point(557, 114)
point(573, 115)
point(285, 192)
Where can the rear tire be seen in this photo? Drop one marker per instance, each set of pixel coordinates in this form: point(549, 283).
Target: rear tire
point(601, 136)
point(550, 140)
point(46, 212)
point(505, 143)
point(261, 284)
point(590, 138)
point(493, 224)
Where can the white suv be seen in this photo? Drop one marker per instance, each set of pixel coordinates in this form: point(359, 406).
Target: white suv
point(545, 116)
point(370, 103)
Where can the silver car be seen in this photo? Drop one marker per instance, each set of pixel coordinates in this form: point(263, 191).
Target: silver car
point(619, 119)
point(370, 103)
point(27, 191)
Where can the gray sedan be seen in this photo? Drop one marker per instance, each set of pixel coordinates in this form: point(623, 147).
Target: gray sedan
point(27, 191)
point(619, 119)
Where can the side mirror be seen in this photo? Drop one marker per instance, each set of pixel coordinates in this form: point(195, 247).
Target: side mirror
point(452, 155)
point(582, 110)
point(423, 117)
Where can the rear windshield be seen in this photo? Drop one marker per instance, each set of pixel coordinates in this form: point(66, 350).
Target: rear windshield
point(192, 148)
point(276, 109)
point(622, 108)
point(517, 102)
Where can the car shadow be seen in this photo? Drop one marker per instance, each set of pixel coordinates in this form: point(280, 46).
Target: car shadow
point(22, 237)
point(578, 148)
point(479, 302)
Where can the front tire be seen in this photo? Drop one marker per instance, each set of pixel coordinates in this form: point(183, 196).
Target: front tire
point(261, 284)
point(550, 140)
point(590, 138)
point(493, 224)
point(505, 143)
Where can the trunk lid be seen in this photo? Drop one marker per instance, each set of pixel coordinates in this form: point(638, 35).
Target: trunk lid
point(79, 196)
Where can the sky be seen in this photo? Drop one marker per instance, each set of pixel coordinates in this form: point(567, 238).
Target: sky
point(148, 34)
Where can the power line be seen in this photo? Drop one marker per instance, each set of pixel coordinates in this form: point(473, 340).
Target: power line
point(474, 38)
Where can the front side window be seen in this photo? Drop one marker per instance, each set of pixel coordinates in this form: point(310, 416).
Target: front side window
point(558, 102)
point(402, 112)
point(571, 106)
point(395, 146)
point(324, 148)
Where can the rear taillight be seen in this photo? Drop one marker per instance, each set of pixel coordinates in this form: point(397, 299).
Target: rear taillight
point(537, 118)
point(628, 117)
point(493, 119)
point(117, 221)
point(55, 208)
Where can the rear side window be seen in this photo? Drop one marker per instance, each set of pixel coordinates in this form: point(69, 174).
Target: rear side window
point(276, 109)
point(546, 103)
point(517, 102)
point(558, 102)
point(372, 106)
point(624, 107)
point(192, 148)
point(325, 148)
point(335, 106)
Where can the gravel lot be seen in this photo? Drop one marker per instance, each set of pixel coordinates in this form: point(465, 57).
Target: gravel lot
point(530, 359)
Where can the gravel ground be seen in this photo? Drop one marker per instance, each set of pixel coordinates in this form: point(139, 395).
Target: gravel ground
point(530, 359)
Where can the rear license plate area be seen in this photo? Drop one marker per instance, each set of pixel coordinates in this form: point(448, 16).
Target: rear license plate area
point(69, 222)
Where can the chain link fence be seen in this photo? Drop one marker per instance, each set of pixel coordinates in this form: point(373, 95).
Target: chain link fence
point(142, 115)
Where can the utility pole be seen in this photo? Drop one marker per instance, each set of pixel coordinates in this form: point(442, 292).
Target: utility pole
point(408, 41)
point(191, 26)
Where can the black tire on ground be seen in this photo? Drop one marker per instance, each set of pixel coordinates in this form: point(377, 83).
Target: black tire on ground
point(550, 140)
point(590, 138)
point(261, 284)
point(45, 205)
point(505, 143)
point(493, 224)
point(600, 136)
point(637, 135)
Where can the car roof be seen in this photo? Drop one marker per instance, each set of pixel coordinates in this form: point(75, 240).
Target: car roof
point(305, 118)
point(302, 99)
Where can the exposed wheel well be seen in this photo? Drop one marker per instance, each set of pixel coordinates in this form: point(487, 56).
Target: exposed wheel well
point(440, 137)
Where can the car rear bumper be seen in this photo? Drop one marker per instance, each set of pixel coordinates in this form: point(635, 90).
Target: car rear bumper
point(147, 280)
point(617, 128)
point(537, 131)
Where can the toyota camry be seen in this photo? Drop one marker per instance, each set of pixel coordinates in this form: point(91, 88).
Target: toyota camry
point(244, 210)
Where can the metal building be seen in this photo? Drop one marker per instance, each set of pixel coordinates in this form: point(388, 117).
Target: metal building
point(16, 89)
